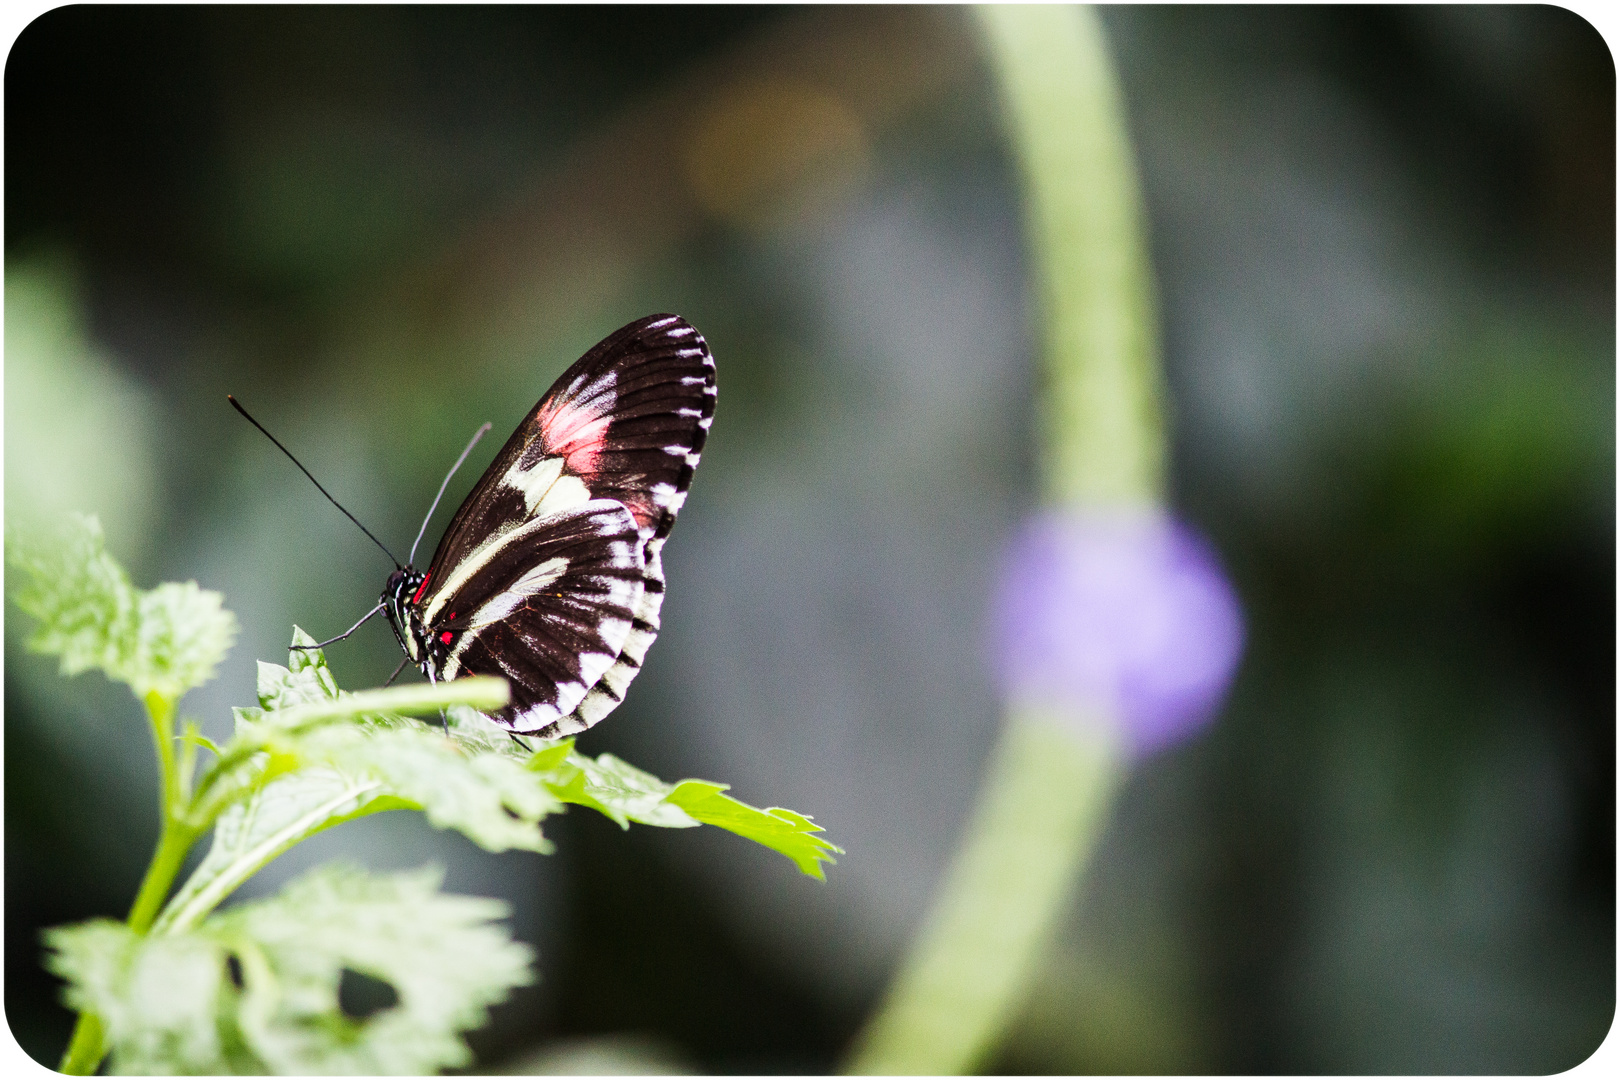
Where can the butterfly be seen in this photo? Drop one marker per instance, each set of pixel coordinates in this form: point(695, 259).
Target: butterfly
point(551, 572)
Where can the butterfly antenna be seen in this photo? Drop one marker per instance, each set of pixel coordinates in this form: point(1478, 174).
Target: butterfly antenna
point(479, 434)
point(237, 405)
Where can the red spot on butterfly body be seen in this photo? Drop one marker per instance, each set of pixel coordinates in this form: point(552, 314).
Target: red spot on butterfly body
point(422, 588)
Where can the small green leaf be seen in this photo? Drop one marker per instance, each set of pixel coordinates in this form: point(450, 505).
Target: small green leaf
point(625, 793)
point(305, 680)
point(551, 755)
point(196, 738)
point(168, 1005)
point(164, 641)
point(779, 829)
point(184, 632)
point(82, 599)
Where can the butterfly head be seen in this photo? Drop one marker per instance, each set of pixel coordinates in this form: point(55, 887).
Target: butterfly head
point(400, 597)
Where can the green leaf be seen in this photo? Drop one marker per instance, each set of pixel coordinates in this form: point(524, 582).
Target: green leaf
point(323, 759)
point(166, 640)
point(157, 997)
point(779, 829)
point(197, 739)
point(625, 793)
point(169, 1006)
point(317, 756)
point(551, 755)
point(477, 733)
point(618, 789)
point(440, 953)
point(454, 776)
point(267, 822)
point(489, 798)
point(184, 632)
point(615, 788)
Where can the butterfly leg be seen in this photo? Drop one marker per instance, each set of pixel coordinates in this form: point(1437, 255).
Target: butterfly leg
point(346, 633)
point(514, 737)
point(444, 718)
point(397, 670)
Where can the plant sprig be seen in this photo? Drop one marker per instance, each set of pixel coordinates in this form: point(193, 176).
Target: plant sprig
point(178, 987)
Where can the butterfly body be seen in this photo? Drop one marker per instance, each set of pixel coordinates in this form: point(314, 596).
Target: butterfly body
point(551, 573)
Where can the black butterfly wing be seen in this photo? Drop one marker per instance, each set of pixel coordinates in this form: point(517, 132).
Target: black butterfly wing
point(625, 424)
point(549, 605)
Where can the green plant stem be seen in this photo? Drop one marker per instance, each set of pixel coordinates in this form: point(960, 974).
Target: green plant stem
point(191, 907)
point(88, 1045)
point(178, 835)
point(171, 852)
point(86, 1048)
point(1044, 806)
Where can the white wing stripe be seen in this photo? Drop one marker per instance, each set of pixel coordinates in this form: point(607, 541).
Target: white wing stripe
point(480, 556)
point(503, 604)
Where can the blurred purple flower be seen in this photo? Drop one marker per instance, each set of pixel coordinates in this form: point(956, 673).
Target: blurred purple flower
point(1129, 613)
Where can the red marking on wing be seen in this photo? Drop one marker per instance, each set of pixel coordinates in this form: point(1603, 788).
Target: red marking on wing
point(422, 588)
point(645, 513)
point(445, 637)
point(576, 434)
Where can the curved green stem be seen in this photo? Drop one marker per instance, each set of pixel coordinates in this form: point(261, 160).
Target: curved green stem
point(1053, 775)
point(1102, 421)
point(485, 692)
point(1043, 810)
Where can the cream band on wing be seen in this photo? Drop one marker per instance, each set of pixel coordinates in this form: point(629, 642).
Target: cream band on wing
point(480, 556)
point(504, 603)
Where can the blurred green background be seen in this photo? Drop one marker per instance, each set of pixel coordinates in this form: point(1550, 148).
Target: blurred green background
point(1384, 242)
